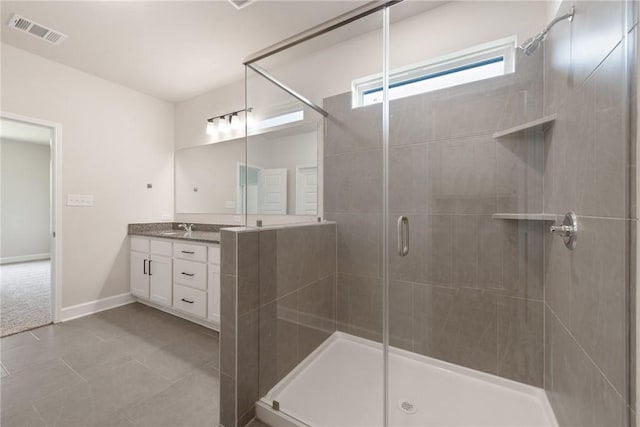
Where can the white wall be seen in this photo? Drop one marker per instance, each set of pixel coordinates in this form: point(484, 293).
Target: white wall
point(115, 141)
point(552, 10)
point(452, 27)
point(24, 205)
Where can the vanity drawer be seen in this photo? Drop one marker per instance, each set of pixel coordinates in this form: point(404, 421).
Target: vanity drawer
point(190, 300)
point(139, 244)
point(190, 273)
point(190, 252)
point(214, 254)
point(160, 247)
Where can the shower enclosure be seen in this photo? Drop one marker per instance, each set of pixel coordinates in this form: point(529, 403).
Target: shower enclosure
point(447, 155)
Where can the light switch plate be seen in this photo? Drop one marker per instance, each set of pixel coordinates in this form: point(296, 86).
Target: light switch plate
point(84, 200)
point(229, 204)
point(237, 218)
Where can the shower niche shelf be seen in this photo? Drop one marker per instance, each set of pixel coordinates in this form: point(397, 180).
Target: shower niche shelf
point(525, 216)
point(542, 123)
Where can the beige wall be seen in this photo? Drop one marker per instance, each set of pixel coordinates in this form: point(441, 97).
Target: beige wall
point(24, 207)
point(115, 141)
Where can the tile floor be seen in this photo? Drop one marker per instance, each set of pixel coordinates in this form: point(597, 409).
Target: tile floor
point(129, 366)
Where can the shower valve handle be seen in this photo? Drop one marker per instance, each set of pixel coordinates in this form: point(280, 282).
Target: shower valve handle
point(568, 230)
point(563, 230)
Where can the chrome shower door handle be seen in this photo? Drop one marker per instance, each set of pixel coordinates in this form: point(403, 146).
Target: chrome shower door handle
point(403, 235)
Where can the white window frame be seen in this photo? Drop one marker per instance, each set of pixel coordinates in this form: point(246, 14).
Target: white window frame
point(504, 48)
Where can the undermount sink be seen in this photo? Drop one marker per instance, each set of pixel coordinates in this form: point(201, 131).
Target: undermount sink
point(171, 233)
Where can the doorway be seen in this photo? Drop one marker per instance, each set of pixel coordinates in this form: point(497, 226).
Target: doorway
point(29, 254)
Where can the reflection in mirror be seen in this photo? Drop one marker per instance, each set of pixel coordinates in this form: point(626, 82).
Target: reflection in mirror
point(281, 177)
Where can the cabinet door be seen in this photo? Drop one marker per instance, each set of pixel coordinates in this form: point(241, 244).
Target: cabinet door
point(214, 292)
point(139, 278)
point(160, 275)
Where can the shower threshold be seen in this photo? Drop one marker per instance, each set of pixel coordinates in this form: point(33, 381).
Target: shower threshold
point(340, 384)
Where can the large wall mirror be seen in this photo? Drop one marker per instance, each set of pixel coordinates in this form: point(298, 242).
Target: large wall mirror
point(281, 177)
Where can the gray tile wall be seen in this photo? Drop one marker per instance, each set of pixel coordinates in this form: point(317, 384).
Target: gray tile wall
point(587, 171)
point(278, 305)
point(470, 291)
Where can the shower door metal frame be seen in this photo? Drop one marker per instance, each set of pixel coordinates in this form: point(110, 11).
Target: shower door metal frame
point(323, 28)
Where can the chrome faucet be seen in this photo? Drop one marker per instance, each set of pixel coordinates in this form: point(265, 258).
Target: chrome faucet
point(186, 228)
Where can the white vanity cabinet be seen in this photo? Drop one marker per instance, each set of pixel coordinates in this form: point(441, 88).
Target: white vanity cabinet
point(151, 270)
point(139, 278)
point(190, 278)
point(180, 275)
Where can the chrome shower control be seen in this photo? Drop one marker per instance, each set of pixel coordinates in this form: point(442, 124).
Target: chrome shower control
point(568, 230)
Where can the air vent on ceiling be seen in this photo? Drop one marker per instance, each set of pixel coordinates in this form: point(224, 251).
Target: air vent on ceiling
point(36, 30)
point(239, 4)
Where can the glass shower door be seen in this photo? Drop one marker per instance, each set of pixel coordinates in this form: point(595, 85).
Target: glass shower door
point(321, 355)
point(465, 291)
point(492, 320)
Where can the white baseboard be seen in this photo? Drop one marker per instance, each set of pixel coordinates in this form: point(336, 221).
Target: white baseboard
point(84, 309)
point(210, 324)
point(24, 258)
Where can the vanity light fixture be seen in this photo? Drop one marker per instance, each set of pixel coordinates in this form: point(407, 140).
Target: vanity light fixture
point(228, 122)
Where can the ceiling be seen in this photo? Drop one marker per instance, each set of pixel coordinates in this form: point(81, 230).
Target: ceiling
point(18, 131)
point(173, 50)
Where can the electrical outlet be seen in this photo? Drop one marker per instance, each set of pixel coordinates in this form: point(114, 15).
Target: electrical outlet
point(229, 204)
point(166, 217)
point(237, 218)
point(84, 200)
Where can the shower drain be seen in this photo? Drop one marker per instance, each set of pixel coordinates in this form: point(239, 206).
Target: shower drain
point(407, 407)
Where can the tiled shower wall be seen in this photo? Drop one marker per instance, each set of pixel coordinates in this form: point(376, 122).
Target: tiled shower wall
point(587, 158)
point(278, 305)
point(470, 291)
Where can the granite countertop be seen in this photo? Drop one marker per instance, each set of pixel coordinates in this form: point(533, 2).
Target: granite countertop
point(202, 233)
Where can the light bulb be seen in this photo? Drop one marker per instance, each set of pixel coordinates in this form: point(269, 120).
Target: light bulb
point(211, 127)
point(235, 122)
point(223, 124)
point(250, 120)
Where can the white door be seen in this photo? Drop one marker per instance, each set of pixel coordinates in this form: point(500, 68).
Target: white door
point(160, 274)
point(139, 278)
point(214, 293)
point(307, 190)
point(272, 191)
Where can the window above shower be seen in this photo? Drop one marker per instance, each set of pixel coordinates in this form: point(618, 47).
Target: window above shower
point(481, 62)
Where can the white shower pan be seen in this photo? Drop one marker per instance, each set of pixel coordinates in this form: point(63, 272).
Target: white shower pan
point(340, 384)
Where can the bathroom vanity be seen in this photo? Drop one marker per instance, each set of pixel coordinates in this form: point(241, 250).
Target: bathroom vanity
point(177, 271)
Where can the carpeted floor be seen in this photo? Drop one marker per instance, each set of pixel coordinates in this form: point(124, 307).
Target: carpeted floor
point(25, 296)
